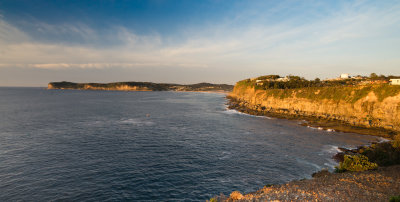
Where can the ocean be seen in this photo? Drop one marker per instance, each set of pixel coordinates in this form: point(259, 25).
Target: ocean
point(74, 145)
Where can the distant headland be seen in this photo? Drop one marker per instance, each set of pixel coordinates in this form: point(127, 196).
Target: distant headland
point(142, 86)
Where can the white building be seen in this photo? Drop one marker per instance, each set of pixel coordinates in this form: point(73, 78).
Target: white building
point(395, 81)
point(344, 76)
point(284, 79)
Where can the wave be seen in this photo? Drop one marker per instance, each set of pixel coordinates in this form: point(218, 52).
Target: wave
point(137, 122)
point(331, 150)
point(126, 121)
point(320, 128)
point(302, 161)
point(225, 155)
point(381, 140)
point(234, 111)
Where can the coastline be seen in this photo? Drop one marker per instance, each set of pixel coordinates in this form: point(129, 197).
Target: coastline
point(141, 86)
point(312, 121)
point(217, 91)
point(376, 185)
point(372, 185)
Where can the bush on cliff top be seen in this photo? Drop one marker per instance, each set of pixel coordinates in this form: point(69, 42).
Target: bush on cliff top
point(396, 141)
point(355, 163)
point(394, 199)
point(383, 154)
point(349, 94)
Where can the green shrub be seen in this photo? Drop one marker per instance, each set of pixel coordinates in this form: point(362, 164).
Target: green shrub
point(384, 90)
point(396, 141)
point(383, 154)
point(213, 200)
point(356, 163)
point(394, 199)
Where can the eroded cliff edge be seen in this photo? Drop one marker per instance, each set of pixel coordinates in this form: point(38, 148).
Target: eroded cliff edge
point(365, 106)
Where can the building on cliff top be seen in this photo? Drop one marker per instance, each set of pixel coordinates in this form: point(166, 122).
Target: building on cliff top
point(344, 76)
point(284, 79)
point(395, 81)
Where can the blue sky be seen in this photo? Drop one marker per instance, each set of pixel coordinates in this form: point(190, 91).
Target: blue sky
point(193, 41)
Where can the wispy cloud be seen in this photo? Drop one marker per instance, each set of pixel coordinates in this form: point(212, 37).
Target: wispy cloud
point(356, 36)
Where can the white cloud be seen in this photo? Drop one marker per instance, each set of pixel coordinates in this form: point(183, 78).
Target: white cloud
point(10, 35)
point(346, 39)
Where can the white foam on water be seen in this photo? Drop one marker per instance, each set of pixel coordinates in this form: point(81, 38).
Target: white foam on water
point(331, 149)
point(381, 140)
point(94, 123)
point(233, 111)
point(320, 128)
point(137, 122)
point(225, 155)
point(331, 163)
point(302, 161)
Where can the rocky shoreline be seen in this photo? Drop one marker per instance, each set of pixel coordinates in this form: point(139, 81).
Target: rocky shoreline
point(372, 185)
point(311, 121)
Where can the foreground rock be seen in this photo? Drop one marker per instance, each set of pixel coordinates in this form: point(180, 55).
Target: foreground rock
point(375, 185)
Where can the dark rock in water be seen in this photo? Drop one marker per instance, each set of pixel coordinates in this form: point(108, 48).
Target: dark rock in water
point(339, 157)
point(321, 173)
point(344, 149)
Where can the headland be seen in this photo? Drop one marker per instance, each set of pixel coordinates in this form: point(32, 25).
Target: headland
point(359, 106)
point(142, 86)
point(363, 105)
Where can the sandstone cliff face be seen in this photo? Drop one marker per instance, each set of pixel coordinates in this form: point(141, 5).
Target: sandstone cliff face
point(367, 111)
point(50, 86)
point(118, 88)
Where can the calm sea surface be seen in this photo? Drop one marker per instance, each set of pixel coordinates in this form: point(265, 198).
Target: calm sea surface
point(163, 146)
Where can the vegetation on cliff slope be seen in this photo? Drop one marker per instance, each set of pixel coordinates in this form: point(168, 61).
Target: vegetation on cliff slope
point(355, 163)
point(348, 90)
point(383, 154)
point(337, 93)
point(293, 82)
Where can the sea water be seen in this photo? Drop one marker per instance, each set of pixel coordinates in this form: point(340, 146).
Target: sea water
point(161, 146)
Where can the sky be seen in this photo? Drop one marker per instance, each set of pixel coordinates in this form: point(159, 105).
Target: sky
point(190, 41)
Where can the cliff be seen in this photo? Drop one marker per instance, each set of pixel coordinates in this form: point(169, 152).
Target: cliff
point(364, 106)
point(141, 86)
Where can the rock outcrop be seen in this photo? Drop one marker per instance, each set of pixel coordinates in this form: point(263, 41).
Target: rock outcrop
point(361, 106)
point(373, 185)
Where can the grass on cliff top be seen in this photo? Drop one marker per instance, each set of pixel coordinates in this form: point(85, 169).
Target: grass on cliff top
point(337, 93)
